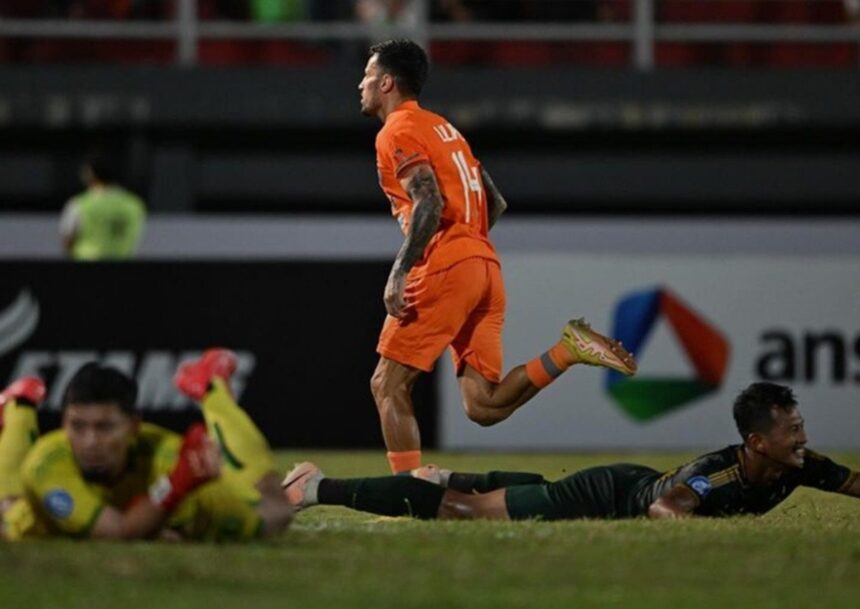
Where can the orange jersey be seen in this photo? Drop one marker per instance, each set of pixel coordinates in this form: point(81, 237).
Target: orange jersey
point(412, 135)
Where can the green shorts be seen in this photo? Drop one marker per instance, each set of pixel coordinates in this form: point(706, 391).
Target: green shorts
point(598, 492)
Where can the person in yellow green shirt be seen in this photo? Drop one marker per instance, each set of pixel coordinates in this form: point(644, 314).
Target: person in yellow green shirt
point(106, 474)
point(105, 221)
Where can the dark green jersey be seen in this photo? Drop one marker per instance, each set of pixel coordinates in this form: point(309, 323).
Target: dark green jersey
point(717, 481)
point(626, 490)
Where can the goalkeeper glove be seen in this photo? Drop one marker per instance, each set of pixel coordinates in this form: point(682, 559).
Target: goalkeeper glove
point(197, 464)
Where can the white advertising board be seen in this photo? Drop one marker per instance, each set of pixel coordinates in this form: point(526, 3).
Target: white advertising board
point(788, 319)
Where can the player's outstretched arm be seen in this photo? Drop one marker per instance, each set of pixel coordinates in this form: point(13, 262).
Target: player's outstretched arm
point(853, 488)
point(199, 462)
point(677, 503)
point(420, 183)
point(496, 204)
point(142, 520)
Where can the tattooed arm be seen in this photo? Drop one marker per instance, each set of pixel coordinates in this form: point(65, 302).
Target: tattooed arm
point(680, 502)
point(496, 204)
point(852, 485)
point(420, 183)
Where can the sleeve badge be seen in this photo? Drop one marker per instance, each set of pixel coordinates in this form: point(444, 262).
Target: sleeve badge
point(700, 485)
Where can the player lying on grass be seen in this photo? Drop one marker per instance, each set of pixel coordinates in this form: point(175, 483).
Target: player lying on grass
point(105, 474)
point(750, 478)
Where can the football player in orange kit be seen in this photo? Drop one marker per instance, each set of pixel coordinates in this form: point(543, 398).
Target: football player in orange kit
point(445, 287)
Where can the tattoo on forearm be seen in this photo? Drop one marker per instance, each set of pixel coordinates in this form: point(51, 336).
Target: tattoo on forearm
point(496, 204)
point(426, 214)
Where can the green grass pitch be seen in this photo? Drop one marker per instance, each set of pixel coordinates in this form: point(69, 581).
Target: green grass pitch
point(806, 553)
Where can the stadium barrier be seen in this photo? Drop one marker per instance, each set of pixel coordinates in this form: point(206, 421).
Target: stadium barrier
point(703, 325)
point(642, 25)
point(561, 141)
point(305, 333)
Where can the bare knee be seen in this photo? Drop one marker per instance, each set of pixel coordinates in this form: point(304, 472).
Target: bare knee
point(465, 506)
point(457, 506)
point(479, 414)
point(477, 395)
point(391, 383)
point(476, 405)
point(382, 384)
point(377, 382)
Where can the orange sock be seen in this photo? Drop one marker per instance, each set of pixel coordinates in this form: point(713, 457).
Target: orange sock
point(545, 369)
point(404, 461)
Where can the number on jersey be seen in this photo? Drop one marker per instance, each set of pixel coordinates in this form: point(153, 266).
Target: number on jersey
point(471, 182)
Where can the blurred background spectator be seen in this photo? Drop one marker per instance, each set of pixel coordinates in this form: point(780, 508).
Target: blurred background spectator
point(105, 221)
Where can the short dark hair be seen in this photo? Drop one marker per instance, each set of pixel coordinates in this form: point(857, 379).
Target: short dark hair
point(405, 61)
point(752, 409)
point(103, 165)
point(97, 384)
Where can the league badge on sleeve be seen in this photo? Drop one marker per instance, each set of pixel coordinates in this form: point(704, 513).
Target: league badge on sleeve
point(700, 485)
point(59, 504)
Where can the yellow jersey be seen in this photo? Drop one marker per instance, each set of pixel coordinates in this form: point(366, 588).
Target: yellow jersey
point(59, 501)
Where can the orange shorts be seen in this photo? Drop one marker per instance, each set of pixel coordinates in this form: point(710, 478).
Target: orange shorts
point(462, 306)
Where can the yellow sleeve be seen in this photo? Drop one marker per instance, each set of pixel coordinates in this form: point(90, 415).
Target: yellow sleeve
point(217, 511)
point(19, 521)
point(58, 493)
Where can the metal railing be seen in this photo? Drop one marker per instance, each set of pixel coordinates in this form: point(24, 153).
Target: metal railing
point(642, 32)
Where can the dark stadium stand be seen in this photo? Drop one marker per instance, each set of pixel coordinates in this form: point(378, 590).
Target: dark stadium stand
point(457, 52)
point(271, 125)
point(561, 140)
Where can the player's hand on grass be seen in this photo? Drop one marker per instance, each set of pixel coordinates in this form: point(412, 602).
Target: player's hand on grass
point(394, 297)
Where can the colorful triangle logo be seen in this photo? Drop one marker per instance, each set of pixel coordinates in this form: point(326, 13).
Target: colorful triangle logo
point(706, 348)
